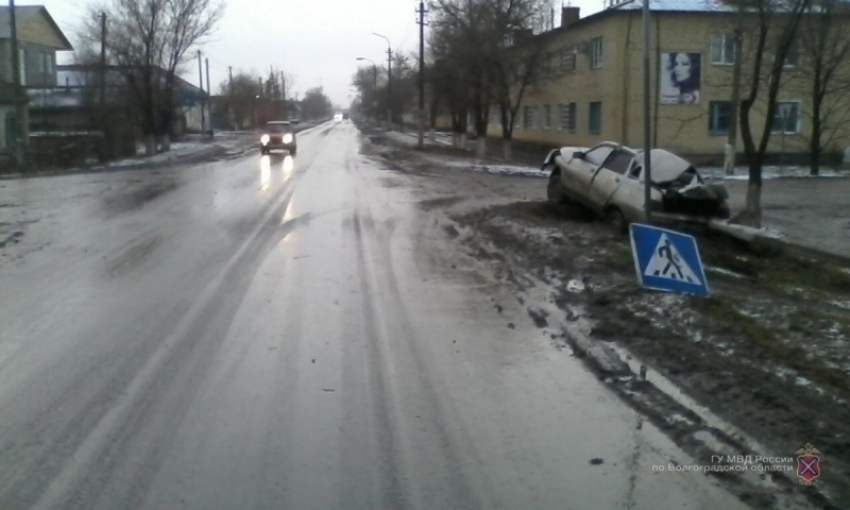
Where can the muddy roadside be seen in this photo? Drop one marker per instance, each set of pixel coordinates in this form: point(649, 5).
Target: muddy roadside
point(766, 354)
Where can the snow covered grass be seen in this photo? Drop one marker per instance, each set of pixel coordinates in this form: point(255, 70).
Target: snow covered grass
point(499, 169)
point(770, 172)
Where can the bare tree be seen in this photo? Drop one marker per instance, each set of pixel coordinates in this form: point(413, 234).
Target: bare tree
point(315, 105)
point(773, 33)
point(825, 46)
point(474, 36)
point(151, 39)
point(242, 94)
point(515, 72)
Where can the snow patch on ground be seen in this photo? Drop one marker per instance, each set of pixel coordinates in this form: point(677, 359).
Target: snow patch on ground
point(720, 270)
point(498, 169)
point(769, 172)
point(841, 304)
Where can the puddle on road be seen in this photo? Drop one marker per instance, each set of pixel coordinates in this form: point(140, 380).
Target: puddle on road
point(139, 197)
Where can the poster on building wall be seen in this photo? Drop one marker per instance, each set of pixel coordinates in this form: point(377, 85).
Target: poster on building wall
point(680, 78)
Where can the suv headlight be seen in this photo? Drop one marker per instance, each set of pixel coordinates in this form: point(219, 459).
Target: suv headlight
point(264, 139)
point(287, 138)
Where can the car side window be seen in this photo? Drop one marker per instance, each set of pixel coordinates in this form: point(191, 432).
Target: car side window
point(635, 171)
point(598, 155)
point(618, 162)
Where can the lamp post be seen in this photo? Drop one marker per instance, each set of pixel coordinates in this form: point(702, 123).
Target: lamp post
point(374, 84)
point(389, 79)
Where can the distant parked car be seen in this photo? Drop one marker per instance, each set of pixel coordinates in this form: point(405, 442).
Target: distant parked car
point(294, 121)
point(278, 135)
point(608, 178)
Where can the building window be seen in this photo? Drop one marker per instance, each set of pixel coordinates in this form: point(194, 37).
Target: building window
point(792, 59)
point(45, 63)
point(719, 117)
point(568, 60)
point(596, 53)
point(786, 119)
point(527, 117)
point(594, 118)
point(572, 112)
point(538, 119)
point(22, 65)
point(562, 117)
point(547, 116)
point(723, 48)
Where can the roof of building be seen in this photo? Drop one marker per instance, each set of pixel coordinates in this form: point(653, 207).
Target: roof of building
point(676, 5)
point(25, 14)
point(78, 75)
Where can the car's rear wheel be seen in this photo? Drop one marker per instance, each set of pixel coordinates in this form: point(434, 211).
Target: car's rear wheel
point(615, 219)
point(554, 191)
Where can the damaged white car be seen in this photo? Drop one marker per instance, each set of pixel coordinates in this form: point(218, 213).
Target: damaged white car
point(608, 178)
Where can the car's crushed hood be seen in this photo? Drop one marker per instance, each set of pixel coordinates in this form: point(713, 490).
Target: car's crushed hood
point(567, 152)
point(666, 166)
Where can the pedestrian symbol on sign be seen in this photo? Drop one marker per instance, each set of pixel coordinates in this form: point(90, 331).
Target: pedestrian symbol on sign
point(666, 262)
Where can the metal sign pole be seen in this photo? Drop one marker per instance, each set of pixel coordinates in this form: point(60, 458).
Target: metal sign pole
point(647, 142)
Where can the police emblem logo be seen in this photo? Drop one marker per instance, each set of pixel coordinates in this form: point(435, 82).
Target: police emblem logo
point(808, 463)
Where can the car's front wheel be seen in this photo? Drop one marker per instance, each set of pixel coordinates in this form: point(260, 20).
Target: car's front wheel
point(554, 190)
point(615, 219)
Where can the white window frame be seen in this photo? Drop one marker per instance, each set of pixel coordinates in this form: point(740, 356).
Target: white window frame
point(798, 125)
point(596, 53)
point(22, 65)
point(719, 44)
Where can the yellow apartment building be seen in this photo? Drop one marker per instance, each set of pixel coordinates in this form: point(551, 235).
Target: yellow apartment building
point(594, 87)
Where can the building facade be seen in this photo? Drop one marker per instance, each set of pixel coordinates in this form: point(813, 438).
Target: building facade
point(39, 38)
point(593, 88)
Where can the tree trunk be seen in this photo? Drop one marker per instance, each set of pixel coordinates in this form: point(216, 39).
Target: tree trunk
point(815, 145)
point(481, 147)
point(150, 144)
point(752, 213)
point(507, 153)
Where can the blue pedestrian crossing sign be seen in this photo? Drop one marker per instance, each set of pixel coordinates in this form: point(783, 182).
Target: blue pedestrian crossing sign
point(667, 260)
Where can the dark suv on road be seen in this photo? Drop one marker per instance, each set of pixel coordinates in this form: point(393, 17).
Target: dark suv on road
point(278, 135)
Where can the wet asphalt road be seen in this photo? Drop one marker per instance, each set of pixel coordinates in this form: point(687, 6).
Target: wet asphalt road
point(289, 333)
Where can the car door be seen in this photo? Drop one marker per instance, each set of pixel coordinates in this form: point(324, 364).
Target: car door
point(582, 170)
point(609, 177)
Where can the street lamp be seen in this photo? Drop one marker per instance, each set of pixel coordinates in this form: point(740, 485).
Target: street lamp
point(389, 77)
point(374, 83)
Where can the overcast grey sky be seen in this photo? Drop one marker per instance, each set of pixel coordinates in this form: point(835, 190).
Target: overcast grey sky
point(316, 41)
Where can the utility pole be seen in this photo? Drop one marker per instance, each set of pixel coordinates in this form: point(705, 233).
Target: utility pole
point(647, 140)
point(389, 80)
point(283, 95)
point(201, 81)
point(209, 90)
point(21, 111)
point(421, 12)
point(732, 140)
point(103, 64)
